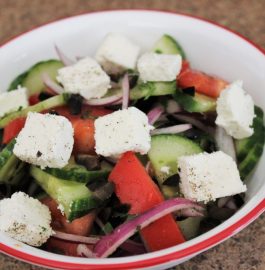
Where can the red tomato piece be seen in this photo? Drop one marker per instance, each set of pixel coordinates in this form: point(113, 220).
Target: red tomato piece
point(135, 187)
point(203, 83)
point(34, 99)
point(12, 129)
point(84, 130)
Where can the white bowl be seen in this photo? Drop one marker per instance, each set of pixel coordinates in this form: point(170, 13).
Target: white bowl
point(209, 48)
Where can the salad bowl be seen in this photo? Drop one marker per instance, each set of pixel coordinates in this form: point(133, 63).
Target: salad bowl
point(209, 47)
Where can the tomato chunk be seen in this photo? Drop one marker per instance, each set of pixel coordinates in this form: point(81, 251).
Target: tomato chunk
point(34, 99)
point(135, 187)
point(12, 129)
point(83, 125)
point(203, 83)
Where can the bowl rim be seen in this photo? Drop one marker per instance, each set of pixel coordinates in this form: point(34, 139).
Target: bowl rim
point(186, 252)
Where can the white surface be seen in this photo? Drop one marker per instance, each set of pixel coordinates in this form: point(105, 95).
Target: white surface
point(86, 78)
point(46, 140)
point(12, 101)
point(208, 47)
point(235, 111)
point(155, 67)
point(205, 177)
point(117, 53)
point(122, 131)
point(25, 219)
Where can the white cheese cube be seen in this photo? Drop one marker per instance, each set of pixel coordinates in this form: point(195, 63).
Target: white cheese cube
point(159, 67)
point(122, 131)
point(206, 177)
point(46, 140)
point(235, 111)
point(25, 219)
point(13, 100)
point(86, 78)
point(117, 53)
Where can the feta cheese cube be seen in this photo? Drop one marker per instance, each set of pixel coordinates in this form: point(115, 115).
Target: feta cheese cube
point(86, 78)
point(13, 100)
point(159, 67)
point(25, 219)
point(117, 53)
point(122, 131)
point(46, 140)
point(206, 177)
point(235, 111)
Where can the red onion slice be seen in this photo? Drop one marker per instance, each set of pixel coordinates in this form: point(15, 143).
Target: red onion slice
point(55, 88)
point(109, 243)
point(76, 238)
point(104, 101)
point(125, 91)
point(66, 60)
point(172, 130)
point(154, 114)
point(225, 142)
point(196, 123)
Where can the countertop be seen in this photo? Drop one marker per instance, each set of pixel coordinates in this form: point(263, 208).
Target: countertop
point(246, 250)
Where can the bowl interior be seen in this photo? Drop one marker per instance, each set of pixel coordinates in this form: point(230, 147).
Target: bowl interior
point(209, 48)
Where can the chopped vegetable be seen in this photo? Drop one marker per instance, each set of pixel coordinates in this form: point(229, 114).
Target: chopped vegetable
point(133, 186)
point(12, 129)
point(203, 83)
point(109, 243)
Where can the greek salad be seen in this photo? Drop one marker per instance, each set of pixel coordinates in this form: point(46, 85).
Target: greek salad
point(123, 153)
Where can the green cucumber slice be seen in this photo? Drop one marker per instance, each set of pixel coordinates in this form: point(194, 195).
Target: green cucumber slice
point(243, 146)
point(251, 160)
point(75, 198)
point(11, 168)
point(168, 45)
point(164, 153)
point(197, 103)
point(145, 90)
point(32, 78)
point(78, 173)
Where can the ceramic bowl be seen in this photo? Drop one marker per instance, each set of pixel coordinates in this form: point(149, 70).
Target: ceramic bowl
point(209, 47)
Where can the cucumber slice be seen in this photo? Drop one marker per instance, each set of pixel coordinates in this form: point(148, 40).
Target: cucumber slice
point(75, 198)
point(17, 81)
point(168, 45)
point(197, 103)
point(78, 173)
point(190, 227)
point(164, 153)
point(251, 160)
point(32, 78)
point(47, 104)
point(245, 145)
point(145, 90)
point(11, 168)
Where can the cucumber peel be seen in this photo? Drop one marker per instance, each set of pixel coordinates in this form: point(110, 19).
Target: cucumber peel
point(77, 173)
